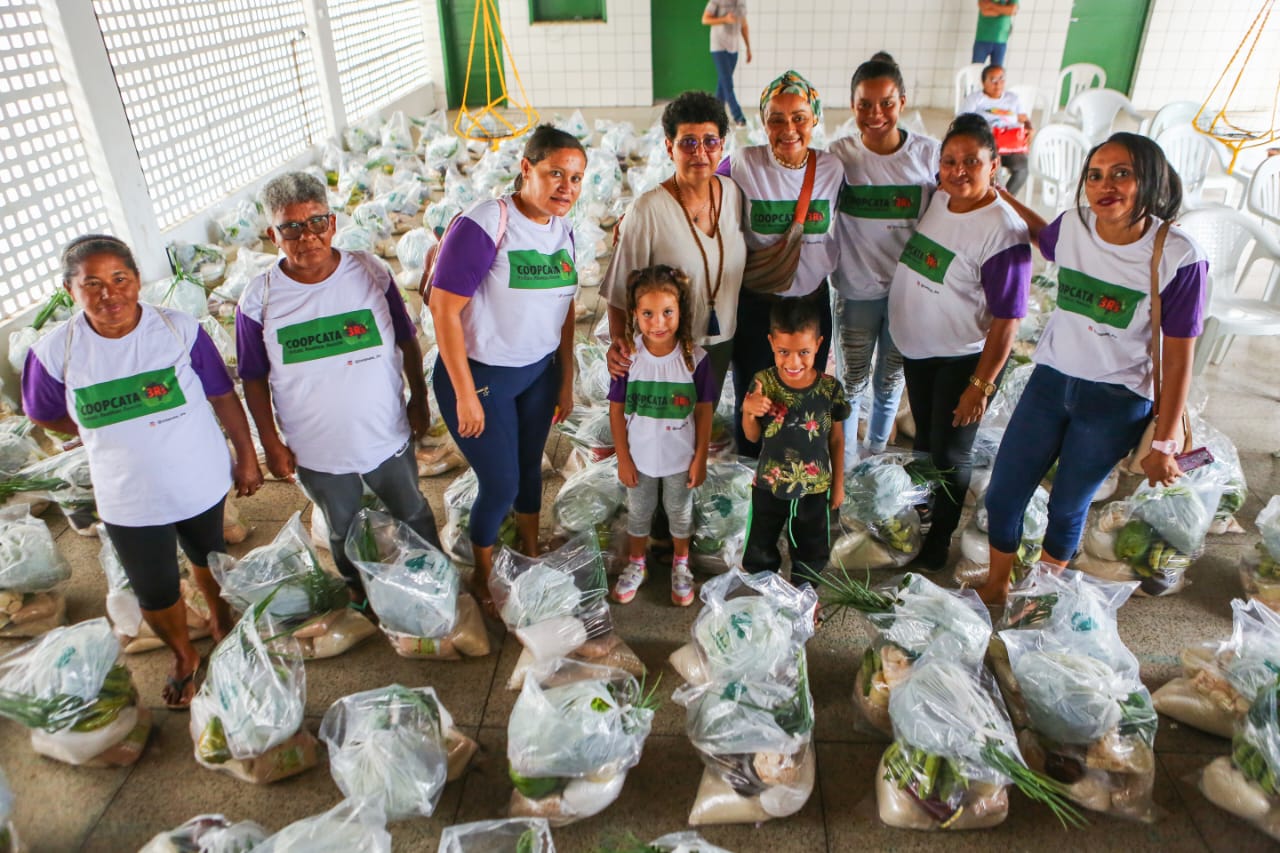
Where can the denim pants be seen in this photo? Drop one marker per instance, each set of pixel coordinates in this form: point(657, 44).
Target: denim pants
point(993, 49)
point(864, 332)
point(725, 63)
point(394, 481)
point(677, 500)
point(1088, 427)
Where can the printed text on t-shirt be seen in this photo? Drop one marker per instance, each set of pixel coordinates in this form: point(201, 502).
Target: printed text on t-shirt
point(882, 202)
point(926, 257)
point(131, 397)
point(339, 334)
point(775, 217)
point(531, 270)
point(1100, 301)
point(664, 400)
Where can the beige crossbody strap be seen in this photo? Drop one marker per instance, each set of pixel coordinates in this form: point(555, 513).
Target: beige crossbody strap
point(1157, 252)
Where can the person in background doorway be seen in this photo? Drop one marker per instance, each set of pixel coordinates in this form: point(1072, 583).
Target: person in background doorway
point(1009, 120)
point(727, 19)
point(995, 22)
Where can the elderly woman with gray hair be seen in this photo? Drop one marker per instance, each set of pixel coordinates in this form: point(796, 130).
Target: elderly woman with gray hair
point(325, 346)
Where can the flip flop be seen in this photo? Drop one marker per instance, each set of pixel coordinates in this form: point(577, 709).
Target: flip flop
point(178, 686)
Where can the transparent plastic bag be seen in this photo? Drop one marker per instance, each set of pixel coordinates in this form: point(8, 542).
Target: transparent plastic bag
point(456, 535)
point(396, 133)
point(1181, 514)
point(683, 842)
point(16, 452)
point(592, 384)
point(1269, 526)
point(1260, 576)
point(29, 560)
point(67, 680)
point(364, 134)
point(590, 500)
point(205, 263)
point(1247, 783)
point(241, 223)
point(721, 509)
point(589, 430)
point(975, 547)
point(389, 743)
point(352, 826)
point(439, 214)
point(412, 249)
point(247, 266)
point(881, 527)
point(412, 586)
point(208, 833)
point(751, 625)
point(513, 835)
point(1227, 459)
point(64, 478)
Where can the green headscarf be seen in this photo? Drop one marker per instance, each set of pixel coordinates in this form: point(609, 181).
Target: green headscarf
point(791, 83)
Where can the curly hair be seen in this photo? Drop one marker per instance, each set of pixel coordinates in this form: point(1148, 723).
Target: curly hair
point(672, 280)
point(694, 107)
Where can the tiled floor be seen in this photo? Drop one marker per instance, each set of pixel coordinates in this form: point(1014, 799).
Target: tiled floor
point(63, 808)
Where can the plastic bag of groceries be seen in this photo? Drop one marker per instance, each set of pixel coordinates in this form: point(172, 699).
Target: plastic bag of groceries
point(411, 250)
point(881, 528)
point(64, 479)
point(1247, 783)
point(1220, 680)
point(397, 744)
point(513, 835)
point(208, 833)
point(574, 732)
point(1260, 569)
point(909, 614)
point(975, 550)
point(954, 753)
point(1154, 535)
point(247, 266)
point(616, 137)
point(241, 223)
point(1227, 457)
point(70, 688)
point(31, 570)
point(590, 501)
point(247, 717)
point(364, 134)
point(589, 430)
point(352, 826)
point(557, 606)
point(17, 450)
point(721, 510)
point(592, 384)
point(672, 842)
point(134, 634)
point(456, 533)
point(415, 591)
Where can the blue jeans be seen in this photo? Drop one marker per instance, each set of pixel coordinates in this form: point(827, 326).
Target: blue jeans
point(864, 332)
point(1088, 426)
point(725, 63)
point(993, 49)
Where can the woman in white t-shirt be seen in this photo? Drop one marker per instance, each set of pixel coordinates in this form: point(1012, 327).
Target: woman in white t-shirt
point(502, 302)
point(691, 222)
point(957, 295)
point(772, 177)
point(1089, 398)
point(145, 389)
point(889, 177)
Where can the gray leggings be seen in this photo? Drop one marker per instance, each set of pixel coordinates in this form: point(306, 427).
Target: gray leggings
point(677, 500)
point(394, 481)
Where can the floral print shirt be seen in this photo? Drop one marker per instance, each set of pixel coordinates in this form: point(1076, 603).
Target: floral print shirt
point(795, 457)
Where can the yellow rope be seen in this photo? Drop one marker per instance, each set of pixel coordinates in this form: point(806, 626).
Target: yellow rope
point(471, 125)
point(1236, 138)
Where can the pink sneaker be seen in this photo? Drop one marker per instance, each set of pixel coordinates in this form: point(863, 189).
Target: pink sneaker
point(681, 584)
point(629, 581)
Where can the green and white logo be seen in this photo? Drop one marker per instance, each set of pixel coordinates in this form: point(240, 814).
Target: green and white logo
point(887, 202)
point(339, 334)
point(1101, 301)
point(662, 400)
point(926, 257)
point(132, 397)
point(532, 270)
point(775, 217)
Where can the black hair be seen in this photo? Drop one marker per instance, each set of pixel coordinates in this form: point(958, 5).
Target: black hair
point(673, 280)
point(976, 128)
point(694, 107)
point(85, 246)
point(1159, 187)
point(883, 56)
point(874, 69)
point(793, 316)
point(545, 140)
point(989, 70)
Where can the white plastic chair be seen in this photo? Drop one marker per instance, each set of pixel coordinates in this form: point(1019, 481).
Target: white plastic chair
point(1224, 234)
point(1056, 160)
point(1029, 97)
point(1096, 110)
point(1172, 113)
point(1263, 196)
point(968, 79)
point(1189, 153)
point(1077, 78)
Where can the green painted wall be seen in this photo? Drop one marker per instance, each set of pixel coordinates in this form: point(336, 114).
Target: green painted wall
point(456, 19)
point(681, 48)
point(1107, 33)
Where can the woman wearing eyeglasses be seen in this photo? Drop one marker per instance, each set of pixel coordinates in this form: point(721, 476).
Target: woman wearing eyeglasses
point(692, 222)
point(325, 346)
point(789, 260)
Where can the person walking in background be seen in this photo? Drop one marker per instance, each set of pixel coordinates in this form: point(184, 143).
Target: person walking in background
point(995, 22)
point(1009, 121)
point(727, 19)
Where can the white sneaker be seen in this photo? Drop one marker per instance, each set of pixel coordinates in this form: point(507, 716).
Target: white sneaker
point(629, 581)
point(681, 585)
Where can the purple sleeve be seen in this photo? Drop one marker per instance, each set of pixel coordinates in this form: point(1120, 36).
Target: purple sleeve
point(704, 383)
point(251, 349)
point(723, 168)
point(1182, 301)
point(1006, 279)
point(401, 322)
point(465, 257)
point(44, 398)
point(618, 389)
point(206, 361)
point(1049, 238)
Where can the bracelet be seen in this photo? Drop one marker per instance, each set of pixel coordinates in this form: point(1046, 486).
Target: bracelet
point(988, 388)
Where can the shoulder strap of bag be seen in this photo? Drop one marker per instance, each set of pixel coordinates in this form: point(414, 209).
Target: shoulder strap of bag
point(1157, 251)
point(428, 272)
point(806, 190)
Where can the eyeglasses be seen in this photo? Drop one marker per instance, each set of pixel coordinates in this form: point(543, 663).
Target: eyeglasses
point(690, 144)
point(317, 224)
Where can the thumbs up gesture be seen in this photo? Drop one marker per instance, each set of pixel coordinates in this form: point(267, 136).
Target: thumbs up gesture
point(756, 404)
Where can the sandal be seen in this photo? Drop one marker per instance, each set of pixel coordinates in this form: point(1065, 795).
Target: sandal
point(178, 687)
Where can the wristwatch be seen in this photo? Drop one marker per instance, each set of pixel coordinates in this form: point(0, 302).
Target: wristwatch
point(988, 388)
point(1168, 447)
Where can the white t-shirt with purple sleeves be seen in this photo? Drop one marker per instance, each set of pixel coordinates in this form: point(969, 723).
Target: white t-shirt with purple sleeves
point(999, 112)
point(883, 198)
point(956, 273)
point(329, 351)
point(658, 395)
point(520, 291)
point(1101, 329)
point(156, 452)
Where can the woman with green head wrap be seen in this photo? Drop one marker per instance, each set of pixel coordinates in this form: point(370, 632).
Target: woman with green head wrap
point(772, 178)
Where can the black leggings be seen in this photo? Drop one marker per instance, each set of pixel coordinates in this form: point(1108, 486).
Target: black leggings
point(934, 386)
point(807, 523)
point(149, 555)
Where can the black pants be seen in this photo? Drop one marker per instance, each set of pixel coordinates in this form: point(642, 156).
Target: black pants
point(934, 386)
point(149, 555)
point(807, 523)
point(752, 353)
point(1017, 166)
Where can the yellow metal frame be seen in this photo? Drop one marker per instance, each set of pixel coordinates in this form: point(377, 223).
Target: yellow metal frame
point(469, 125)
point(1217, 125)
